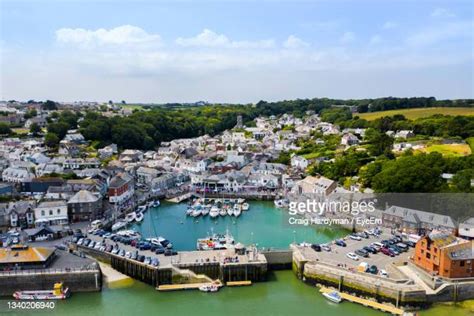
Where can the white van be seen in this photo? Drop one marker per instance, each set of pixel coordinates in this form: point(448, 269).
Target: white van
point(97, 224)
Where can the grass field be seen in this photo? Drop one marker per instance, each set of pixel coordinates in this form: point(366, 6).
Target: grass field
point(413, 114)
point(21, 130)
point(470, 141)
point(449, 150)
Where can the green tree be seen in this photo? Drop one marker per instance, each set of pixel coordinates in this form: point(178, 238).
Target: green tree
point(51, 140)
point(35, 129)
point(5, 129)
point(49, 105)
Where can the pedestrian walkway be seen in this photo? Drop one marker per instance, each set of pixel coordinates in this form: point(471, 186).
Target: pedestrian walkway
point(416, 278)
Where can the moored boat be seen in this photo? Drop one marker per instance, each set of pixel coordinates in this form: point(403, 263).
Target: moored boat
point(130, 217)
point(222, 212)
point(245, 206)
point(139, 217)
point(209, 288)
point(281, 203)
point(333, 296)
point(57, 293)
point(119, 225)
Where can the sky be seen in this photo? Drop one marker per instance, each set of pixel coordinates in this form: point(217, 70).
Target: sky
point(235, 51)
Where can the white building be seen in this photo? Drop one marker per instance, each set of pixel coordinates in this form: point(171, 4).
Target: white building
point(51, 213)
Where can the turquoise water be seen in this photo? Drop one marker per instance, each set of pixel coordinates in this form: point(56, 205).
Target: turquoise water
point(263, 224)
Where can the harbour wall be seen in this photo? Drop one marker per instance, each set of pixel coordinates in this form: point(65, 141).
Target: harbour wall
point(279, 259)
point(75, 280)
point(167, 274)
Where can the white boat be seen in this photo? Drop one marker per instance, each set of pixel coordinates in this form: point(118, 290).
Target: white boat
point(139, 217)
point(209, 288)
point(245, 206)
point(119, 225)
point(142, 209)
point(222, 212)
point(333, 296)
point(237, 210)
point(196, 212)
point(156, 203)
point(214, 212)
point(205, 210)
point(230, 211)
point(57, 293)
point(130, 217)
point(282, 203)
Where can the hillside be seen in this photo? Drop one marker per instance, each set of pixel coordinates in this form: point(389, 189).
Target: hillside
point(415, 113)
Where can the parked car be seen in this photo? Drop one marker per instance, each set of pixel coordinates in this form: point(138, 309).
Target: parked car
point(121, 253)
point(128, 254)
point(370, 249)
point(352, 256)
point(169, 252)
point(91, 244)
point(155, 262)
point(341, 243)
point(134, 255)
point(383, 273)
point(362, 253)
point(410, 243)
point(402, 246)
point(80, 241)
point(325, 247)
point(395, 250)
point(160, 250)
point(141, 258)
point(115, 250)
point(363, 235)
point(316, 247)
point(147, 260)
point(355, 237)
point(373, 269)
point(387, 252)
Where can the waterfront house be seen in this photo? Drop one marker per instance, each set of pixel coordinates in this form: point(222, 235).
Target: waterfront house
point(416, 221)
point(121, 188)
point(84, 206)
point(51, 213)
point(315, 185)
point(445, 255)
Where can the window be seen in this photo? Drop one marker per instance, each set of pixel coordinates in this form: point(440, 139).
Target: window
point(42, 213)
point(50, 212)
point(428, 255)
point(59, 211)
point(461, 263)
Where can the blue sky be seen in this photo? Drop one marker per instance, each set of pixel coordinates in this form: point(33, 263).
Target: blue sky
point(235, 51)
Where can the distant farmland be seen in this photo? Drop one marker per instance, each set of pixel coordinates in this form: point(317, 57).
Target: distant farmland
point(413, 114)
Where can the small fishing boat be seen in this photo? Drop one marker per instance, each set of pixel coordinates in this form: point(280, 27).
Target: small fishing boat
point(57, 293)
point(245, 206)
point(222, 212)
point(230, 211)
point(196, 212)
point(130, 217)
point(209, 288)
point(156, 203)
point(139, 217)
point(333, 296)
point(205, 210)
point(119, 225)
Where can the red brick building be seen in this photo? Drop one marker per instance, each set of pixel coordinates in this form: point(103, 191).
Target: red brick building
point(445, 255)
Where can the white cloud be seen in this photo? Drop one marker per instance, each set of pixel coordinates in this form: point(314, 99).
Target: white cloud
point(389, 25)
point(348, 37)
point(438, 33)
point(376, 39)
point(442, 13)
point(209, 38)
point(293, 42)
point(121, 35)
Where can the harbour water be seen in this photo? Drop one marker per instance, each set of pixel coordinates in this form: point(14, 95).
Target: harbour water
point(283, 294)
